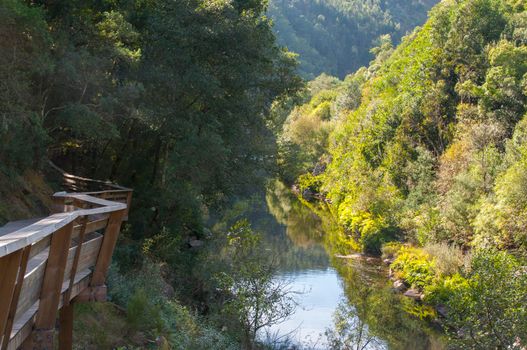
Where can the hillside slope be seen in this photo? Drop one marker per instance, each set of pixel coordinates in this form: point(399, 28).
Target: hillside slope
point(423, 157)
point(335, 36)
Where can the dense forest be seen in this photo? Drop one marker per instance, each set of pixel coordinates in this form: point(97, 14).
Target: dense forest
point(169, 98)
point(335, 36)
point(427, 147)
point(410, 148)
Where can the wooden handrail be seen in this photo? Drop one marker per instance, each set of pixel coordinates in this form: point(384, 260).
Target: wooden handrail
point(47, 264)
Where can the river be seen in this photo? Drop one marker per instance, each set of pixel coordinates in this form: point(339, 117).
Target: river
point(341, 302)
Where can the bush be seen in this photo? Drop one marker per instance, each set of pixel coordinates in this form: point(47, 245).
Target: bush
point(415, 266)
point(442, 290)
point(449, 259)
point(309, 182)
point(142, 313)
point(390, 250)
point(489, 312)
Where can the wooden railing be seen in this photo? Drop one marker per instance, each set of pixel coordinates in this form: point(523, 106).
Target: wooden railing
point(48, 264)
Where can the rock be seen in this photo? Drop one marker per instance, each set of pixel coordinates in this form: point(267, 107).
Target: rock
point(413, 293)
point(196, 243)
point(399, 286)
point(355, 256)
point(319, 169)
point(442, 310)
point(308, 195)
point(387, 261)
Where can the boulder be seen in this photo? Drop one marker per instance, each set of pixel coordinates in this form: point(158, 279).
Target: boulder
point(387, 261)
point(413, 293)
point(399, 286)
point(196, 243)
point(308, 195)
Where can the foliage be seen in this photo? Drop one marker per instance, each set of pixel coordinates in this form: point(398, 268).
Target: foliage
point(430, 145)
point(155, 313)
point(488, 311)
point(335, 36)
point(255, 296)
point(415, 267)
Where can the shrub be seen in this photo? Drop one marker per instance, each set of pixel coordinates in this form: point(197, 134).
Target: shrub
point(309, 182)
point(390, 250)
point(142, 314)
point(449, 259)
point(415, 266)
point(442, 290)
point(489, 311)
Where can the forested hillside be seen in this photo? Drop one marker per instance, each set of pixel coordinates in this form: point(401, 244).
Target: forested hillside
point(428, 147)
point(335, 36)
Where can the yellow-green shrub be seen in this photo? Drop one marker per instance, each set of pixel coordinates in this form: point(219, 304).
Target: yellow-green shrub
point(443, 288)
point(415, 266)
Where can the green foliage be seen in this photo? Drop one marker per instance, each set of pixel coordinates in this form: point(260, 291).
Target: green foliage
point(430, 145)
point(440, 292)
point(254, 296)
point(415, 267)
point(335, 36)
point(153, 311)
point(309, 182)
point(487, 311)
point(141, 313)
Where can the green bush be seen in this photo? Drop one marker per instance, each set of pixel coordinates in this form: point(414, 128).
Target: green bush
point(390, 250)
point(142, 313)
point(415, 266)
point(442, 290)
point(489, 312)
point(309, 182)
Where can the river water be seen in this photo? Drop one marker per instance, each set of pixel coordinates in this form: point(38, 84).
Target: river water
point(345, 302)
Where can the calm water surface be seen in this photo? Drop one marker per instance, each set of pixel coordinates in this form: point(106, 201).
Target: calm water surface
point(327, 284)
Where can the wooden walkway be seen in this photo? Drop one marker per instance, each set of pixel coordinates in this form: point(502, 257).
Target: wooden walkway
point(47, 264)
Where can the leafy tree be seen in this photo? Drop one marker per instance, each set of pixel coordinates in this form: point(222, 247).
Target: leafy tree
point(488, 313)
point(257, 297)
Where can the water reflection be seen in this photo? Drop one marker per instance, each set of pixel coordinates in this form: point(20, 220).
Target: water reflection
point(345, 303)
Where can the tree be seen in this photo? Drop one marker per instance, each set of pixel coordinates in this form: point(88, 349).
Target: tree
point(489, 312)
point(257, 298)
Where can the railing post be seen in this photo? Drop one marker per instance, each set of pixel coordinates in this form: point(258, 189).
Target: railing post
point(42, 336)
point(16, 295)
point(9, 265)
point(66, 327)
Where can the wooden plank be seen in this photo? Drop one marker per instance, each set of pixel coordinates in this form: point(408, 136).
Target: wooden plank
point(34, 233)
point(23, 325)
point(54, 277)
point(9, 266)
point(76, 257)
point(36, 268)
point(16, 294)
point(14, 226)
point(39, 246)
point(105, 254)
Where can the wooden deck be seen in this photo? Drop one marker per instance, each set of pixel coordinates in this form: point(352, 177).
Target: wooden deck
point(48, 263)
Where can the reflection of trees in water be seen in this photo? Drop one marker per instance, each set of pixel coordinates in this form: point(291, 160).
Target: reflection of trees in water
point(371, 311)
point(379, 310)
point(303, 226)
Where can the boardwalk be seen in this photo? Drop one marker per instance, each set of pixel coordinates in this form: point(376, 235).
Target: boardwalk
point(47, 264)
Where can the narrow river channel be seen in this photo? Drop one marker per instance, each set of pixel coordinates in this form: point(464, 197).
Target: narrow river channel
point(340, 301)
